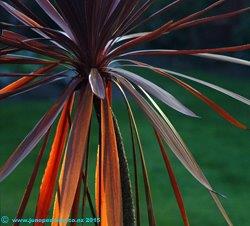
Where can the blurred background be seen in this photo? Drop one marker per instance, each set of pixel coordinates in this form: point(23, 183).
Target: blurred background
point(221, 149)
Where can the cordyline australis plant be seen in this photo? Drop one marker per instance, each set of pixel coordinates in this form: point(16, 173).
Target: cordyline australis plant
point(90, 39)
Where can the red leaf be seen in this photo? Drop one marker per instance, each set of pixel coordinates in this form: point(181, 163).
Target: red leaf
point(32, 139)
point(75, 152)
point(49, 178)
point(26, 79)
point(218, 109)
point(32, 179)
point(173, 180)
point(108, 183)
point(75, 207)
point(159, 52)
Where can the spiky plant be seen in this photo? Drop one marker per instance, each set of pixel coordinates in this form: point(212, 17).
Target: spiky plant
point(92, 42)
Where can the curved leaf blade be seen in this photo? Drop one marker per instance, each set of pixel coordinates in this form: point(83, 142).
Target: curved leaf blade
point(50, 175)
point(75, 152)
point(156, 91)
point(173, 181)
point(212, 86)
point(51, 11)
point(32, 139)
point(169, 134)
point(96, 83)
point(214, 106)
point(108, 174)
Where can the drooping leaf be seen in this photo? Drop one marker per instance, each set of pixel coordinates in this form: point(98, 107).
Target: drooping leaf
point(75, 152)
point(213, 194)
point(169, 134)
point(18, 41)
point(210, 85)
point(218, 109)
point(50, 175)
point(31, 182)
point(32, 139)
point(91, 34)
point(17, 59)
point(215, 87)
point(109, 204)
point(30, 86)
point(26, 79)
point(136, 139)
point(155, 90)
point(25, 19)
point(174, 183)
point(184, 155)
point(224, 58)
point(160, 52)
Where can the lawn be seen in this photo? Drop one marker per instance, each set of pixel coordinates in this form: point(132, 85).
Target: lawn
point(221, 150)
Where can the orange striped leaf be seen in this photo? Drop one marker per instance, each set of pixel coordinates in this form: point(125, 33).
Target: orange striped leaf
point(109, 194)
point(75, 152)
point(26, 79)
point(49, 178)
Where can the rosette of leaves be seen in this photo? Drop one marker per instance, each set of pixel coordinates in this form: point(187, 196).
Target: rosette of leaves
point(82, 43)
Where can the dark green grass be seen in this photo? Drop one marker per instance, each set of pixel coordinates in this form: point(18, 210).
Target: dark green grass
point(221, 150)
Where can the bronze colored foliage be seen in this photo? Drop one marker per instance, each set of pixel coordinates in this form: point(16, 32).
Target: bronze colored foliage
point(89, 45)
